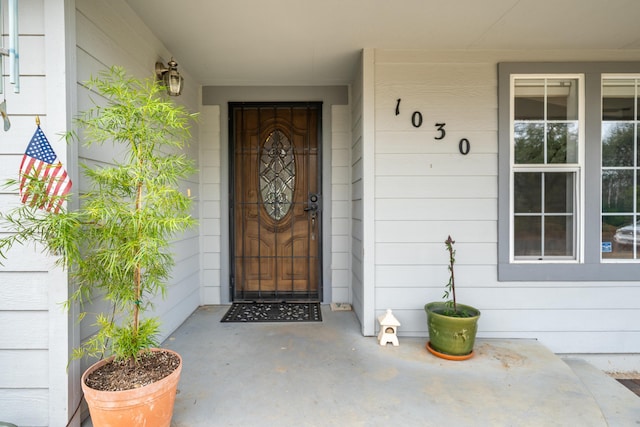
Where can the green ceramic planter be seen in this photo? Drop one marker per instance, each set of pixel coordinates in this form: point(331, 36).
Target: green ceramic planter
point(454, 336)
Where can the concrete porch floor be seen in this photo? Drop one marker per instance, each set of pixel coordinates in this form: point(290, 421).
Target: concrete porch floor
point(327, 374)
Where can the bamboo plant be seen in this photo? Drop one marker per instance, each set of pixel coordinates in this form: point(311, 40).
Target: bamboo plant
point(116, 245)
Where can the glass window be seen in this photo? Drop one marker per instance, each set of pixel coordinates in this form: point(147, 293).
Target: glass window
point(569, 171)
point(545, 168)
point(620, 168)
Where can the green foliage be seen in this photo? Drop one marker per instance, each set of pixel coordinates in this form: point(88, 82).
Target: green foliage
point(117, 244)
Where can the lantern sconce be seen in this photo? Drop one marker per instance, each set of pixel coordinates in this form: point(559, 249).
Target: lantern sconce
point(170, 77)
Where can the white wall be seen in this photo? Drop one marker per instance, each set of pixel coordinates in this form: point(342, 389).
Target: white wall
point(341, 203)
point(356, 179)
point(211, 212)
point(425, 190)
point(35, 337)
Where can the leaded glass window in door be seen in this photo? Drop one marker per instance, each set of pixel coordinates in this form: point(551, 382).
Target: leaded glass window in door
point(277, 174)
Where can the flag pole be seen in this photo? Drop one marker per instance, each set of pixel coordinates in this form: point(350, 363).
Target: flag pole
point(38, 121)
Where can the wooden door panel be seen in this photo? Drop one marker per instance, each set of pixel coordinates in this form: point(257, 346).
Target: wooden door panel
point(276, 237)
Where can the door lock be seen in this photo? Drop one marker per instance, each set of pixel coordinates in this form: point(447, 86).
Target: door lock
point(313, 204)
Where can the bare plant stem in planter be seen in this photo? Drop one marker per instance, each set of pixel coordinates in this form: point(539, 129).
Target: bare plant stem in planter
point(451, 286)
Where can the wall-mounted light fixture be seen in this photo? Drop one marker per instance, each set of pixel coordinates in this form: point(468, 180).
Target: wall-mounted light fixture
point(170, 77)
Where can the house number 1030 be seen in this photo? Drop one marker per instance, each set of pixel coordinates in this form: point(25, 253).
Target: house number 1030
point(464, 146)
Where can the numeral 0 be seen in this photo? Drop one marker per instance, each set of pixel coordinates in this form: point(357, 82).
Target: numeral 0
point(464, 146)
point(416, 119)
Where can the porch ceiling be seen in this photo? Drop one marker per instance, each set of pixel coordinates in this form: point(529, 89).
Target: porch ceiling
point(316, 42)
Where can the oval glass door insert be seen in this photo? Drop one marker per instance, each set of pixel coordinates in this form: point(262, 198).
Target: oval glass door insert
point(277, 174)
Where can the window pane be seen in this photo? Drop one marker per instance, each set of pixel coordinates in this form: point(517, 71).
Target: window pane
point(527, 236)
point(558, 236)
point(617, 144)
point(638, 141)
point(617, 191)
point(562, 99)
point(562, 143)
point(527, 188)
point(529, 143)
point(637, 191)
point(618, 99)
point(619, 237)
point(558, 191)
point(529, 99)
point(626, 237)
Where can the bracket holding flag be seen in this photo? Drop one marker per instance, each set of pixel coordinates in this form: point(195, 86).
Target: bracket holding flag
point(44, 182)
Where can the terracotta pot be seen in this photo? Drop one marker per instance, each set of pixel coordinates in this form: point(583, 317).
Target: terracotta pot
point(454, 336)
point(150, 406)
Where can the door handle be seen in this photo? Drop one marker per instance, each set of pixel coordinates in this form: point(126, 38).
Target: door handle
point(313, 204)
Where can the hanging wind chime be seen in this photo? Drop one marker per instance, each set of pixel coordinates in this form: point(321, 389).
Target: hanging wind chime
point(14, 58)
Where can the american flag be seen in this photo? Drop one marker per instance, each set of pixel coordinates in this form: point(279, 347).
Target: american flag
point(41, 163)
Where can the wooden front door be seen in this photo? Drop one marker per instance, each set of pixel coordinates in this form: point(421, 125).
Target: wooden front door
point(275, 200)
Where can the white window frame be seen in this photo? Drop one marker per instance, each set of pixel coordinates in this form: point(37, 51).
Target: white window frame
point(577, 168)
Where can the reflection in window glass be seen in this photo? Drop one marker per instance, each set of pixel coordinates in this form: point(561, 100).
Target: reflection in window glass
point(618, 99)
point(528, 192)
point(617, 144)
point(544, 211)
point(529, 143)
point(527, 236)
point(617, 191)
point(529, 99)
point(558, 235)
point(562, 99)
point(558, 190)
point(620, 168)
point(545, 123)
point(619, 237)
point(562, 143)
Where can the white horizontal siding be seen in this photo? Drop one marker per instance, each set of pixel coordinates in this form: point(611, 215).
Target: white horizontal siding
point(210, 152)
point(552, 298)
point(340, 204)
point(437, 187)
point(14, 376)
point(24, 291)
point(416, 231)
point(425, 189)
point(24, 329)
point(27, 407)
point(355, 178)
point(423, 142)
point(437, 209)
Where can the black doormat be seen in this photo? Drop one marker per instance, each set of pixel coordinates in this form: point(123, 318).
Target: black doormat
point(273, 312)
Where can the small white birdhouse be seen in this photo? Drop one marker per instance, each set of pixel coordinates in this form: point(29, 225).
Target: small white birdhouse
point(388, 329)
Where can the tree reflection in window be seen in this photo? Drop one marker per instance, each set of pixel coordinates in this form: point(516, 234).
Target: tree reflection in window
point(277, 174)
